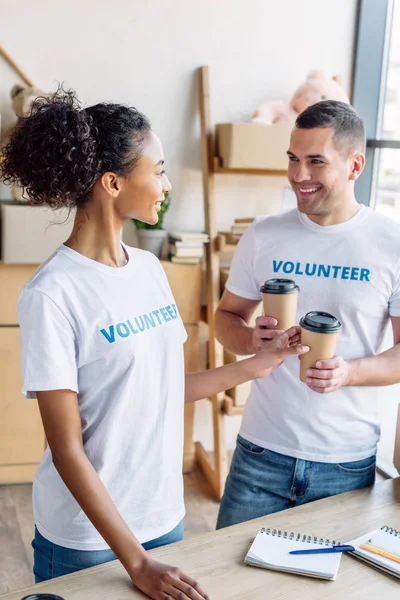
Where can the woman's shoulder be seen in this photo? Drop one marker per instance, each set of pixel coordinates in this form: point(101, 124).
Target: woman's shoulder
point(46, 276)
point(142, 255)
point(143, 259)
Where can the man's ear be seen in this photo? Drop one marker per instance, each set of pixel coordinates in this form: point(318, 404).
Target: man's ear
point(358, 163)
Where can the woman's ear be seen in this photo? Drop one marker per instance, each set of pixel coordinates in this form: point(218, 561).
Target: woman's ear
point(111, 183)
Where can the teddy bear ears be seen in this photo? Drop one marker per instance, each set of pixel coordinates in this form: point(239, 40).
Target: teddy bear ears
point(316, 75)
point(16, 89)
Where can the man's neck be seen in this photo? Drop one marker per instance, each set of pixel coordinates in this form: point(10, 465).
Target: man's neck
point(336, 217)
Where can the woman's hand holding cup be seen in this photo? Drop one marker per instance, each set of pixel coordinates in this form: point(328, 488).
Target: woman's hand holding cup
point(274, 350)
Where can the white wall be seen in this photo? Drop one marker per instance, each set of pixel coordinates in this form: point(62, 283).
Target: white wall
point(147, 53)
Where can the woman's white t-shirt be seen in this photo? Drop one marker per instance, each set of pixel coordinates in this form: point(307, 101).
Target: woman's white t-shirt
point(115, 337)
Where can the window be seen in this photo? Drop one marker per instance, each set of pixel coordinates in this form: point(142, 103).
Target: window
point(386, 192)
point(376, 96)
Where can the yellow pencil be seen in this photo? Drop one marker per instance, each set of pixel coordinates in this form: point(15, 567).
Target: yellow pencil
point(380, 552)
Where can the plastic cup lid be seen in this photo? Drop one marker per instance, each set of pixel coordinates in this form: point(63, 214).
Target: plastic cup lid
point(42, 597)
point(279, 286)
point(320, 322)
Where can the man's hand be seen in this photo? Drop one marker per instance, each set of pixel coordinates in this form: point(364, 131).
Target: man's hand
point(264, 332)
point(329, 375)
point(160, 581)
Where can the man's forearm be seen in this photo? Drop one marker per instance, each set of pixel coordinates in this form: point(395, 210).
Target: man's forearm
point(383, 369)
point(234, 333)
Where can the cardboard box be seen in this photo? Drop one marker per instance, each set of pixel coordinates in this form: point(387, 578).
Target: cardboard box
point(240, 393)
point(30, 234)
point(253, 146)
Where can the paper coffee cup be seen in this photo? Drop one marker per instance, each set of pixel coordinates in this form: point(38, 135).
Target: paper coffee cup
point(319, 331)
point(280, 301)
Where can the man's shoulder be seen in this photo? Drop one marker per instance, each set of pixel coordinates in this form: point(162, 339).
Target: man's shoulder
point(381, 221)
point(271, 222)
point(385, 230)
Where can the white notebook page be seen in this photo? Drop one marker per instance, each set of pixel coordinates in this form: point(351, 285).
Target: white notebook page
point(273, 552)
point(387, 541)
point(382, 539)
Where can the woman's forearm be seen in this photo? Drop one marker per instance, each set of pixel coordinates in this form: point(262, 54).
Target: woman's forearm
point(207, 383)
point(267, 359)
point(88, 490)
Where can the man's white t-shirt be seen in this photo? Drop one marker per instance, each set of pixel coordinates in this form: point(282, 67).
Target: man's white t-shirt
point(114, 336)
point(351, 270)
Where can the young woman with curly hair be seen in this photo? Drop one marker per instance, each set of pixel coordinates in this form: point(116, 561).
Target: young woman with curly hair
point(102, 349)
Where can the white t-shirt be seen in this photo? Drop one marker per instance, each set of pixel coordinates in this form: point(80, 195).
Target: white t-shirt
point(351, 270)
point(114, 336)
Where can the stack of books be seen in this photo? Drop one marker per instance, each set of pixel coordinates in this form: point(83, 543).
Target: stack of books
point(240, 226)
point(187, 247)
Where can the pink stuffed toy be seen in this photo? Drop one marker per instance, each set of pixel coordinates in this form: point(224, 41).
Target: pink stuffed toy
point(316, 87)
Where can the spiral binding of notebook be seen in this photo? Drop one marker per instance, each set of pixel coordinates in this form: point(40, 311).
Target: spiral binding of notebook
point(386, 540)
point(270, 550)
point(390, 530)
point(301, 537)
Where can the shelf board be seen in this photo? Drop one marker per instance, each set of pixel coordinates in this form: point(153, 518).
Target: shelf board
point(11, 202)
point(229, 408)
point(223, 242)
point(271, 172)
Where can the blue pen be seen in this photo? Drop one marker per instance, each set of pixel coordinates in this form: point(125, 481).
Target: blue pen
point(323, 550)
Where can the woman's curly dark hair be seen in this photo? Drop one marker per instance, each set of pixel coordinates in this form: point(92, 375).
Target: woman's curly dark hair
point(58, 152)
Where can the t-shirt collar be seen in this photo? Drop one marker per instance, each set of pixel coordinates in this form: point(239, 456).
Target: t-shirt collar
point(340, 227)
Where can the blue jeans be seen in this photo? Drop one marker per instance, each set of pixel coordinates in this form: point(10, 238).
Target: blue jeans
point(51, 560)
point(261, 482)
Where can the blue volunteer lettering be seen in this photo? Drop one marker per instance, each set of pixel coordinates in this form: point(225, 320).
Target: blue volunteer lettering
point(315, 270)
point(141, 323)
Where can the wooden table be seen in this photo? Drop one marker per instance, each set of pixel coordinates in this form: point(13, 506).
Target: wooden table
point(216, 559)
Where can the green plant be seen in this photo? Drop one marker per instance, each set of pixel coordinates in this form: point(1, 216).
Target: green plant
point(161, 215)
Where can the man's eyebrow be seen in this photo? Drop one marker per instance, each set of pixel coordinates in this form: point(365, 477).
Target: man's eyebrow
point(160, 162)
point(319, 156)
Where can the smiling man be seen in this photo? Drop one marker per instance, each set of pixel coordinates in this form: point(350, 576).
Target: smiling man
point(301, 442)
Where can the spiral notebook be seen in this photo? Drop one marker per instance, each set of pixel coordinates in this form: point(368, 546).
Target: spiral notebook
point(386, 539)
point(270, 550)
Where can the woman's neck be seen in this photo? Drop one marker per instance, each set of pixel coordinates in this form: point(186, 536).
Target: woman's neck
point(97, 235)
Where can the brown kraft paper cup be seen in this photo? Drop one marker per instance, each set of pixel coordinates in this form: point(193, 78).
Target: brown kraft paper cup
point(319, 331)
point(280, 301)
